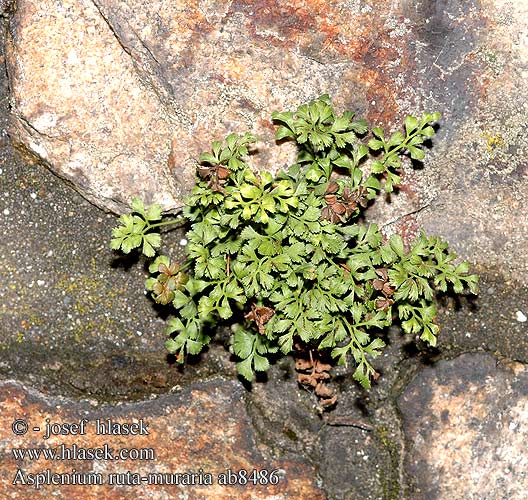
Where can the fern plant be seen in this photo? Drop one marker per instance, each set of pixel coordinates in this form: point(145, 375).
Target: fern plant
point(285, 260)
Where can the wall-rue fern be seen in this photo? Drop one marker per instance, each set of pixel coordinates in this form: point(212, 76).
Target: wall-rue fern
point(285, 260)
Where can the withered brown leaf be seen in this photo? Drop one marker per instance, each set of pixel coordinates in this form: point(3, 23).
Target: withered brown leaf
point(260, 315)
point(322, 390)
point(384, 303)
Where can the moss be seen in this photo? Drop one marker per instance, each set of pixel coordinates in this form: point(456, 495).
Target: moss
point(389, 476)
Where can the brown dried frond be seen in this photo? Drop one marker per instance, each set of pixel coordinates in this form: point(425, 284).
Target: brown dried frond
point(216, 175)
point(340, 207)
point(314, 373)
point(260, 315)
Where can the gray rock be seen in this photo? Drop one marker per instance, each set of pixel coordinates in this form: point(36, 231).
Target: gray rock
point(6, 7)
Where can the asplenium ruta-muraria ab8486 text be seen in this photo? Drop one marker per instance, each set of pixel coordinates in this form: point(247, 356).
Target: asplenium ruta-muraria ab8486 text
point(285, 260)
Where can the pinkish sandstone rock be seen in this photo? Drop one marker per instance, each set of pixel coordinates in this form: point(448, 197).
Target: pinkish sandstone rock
point(466, 421)
point(104, 90)
point(203, 427)
point(79, 105)
point(100, 90)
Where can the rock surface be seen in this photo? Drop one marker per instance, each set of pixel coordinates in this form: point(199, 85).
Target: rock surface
point(140, 80)
point(104, 90)
point(76, 323)
point(202, 427)
point(80, 106)
point(466, 423)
